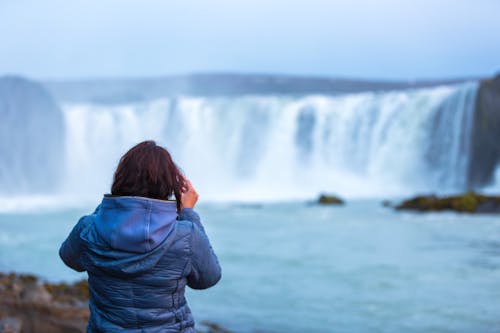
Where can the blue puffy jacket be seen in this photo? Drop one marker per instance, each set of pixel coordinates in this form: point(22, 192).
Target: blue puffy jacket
point(140, 255)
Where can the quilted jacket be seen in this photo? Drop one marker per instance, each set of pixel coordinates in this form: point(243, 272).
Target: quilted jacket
point(140, 255)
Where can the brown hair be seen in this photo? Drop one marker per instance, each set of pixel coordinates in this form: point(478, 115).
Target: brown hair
point(147, 170)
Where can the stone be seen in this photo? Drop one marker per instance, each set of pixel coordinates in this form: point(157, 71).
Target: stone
point(327, 199)
point(36, 293)
point(469, 202)
point(10, 325)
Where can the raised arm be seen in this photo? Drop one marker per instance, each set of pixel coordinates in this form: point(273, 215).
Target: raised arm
point(205, 269)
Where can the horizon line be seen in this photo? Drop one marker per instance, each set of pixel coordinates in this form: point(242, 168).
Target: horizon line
point(247, 74)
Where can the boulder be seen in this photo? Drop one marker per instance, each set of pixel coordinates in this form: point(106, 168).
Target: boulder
point(26, 303)
point(327, 199)
point(10, 325)
point(465, 203)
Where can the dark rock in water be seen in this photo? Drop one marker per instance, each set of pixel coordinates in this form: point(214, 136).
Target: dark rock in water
point(485, 141)
point(326, 199)
point(466, 203)
point(386, 203)
point(209, 327)
point(31, 137)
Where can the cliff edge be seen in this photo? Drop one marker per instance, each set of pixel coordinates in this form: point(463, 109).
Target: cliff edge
point(485, 141)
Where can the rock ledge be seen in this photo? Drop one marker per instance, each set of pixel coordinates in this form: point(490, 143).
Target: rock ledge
point(464, 203)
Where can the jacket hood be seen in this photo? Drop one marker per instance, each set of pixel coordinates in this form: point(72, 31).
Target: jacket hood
point(135, 224)
point(130, 234)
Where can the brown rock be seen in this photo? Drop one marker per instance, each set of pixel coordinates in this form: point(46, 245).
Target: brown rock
point(35, 293)
point(465, 203)
point(28, 306)
point(326, 199)
point(10, 325)
point(25, 298)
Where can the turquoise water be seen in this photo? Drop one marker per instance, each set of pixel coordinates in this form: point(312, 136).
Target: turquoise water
point(295, 267)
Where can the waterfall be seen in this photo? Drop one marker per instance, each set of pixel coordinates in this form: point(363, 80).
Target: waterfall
point(283, 147)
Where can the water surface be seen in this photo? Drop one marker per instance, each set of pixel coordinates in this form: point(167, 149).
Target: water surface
point(296, 267)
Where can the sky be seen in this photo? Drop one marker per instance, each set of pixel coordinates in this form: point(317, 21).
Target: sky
point(383, 39)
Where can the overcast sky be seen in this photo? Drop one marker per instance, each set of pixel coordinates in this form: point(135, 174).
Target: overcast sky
point(385, 39)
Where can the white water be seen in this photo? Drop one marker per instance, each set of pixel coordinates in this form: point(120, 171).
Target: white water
point(495, 187)
point(255, 148)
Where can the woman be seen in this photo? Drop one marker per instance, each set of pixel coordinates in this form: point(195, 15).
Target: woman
point(140, 249)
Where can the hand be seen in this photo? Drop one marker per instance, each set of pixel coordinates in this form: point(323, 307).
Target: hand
point(189, 196)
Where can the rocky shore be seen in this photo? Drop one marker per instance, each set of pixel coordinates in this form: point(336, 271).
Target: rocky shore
point(29, 305)
point(465, 203)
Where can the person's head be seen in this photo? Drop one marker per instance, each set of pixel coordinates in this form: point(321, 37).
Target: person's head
point(147, 170)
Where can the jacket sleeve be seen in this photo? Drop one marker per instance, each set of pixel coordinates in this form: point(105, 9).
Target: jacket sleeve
point(205, 269)
point(71, 248)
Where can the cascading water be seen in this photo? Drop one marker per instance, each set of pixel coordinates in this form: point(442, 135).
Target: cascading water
point(277, 147)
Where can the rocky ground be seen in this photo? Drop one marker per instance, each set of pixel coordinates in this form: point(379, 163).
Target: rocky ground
point(29, 305)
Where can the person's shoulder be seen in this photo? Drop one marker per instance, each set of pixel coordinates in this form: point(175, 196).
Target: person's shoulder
point(86, 228)
point(84, 222)
point(188, 230)
point(88, 219)
point(181, 236)
point(185, 226)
